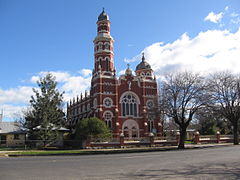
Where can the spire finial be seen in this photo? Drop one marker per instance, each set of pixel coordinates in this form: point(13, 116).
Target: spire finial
point(128, 65)
point(103, 9)
point(143, 58)
point(1, 116)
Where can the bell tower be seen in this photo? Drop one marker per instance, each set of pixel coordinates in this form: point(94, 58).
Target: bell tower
point(103, 47)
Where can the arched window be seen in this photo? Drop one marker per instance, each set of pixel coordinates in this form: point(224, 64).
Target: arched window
point(107, 63)
point(99, 59)
point(129, 105)
point(126, 132)
point(88, 107)
point(107, 46)
point(100, 45)
point(134, 132)
point(142, 74)
point(150, 124)
point(108, 118)
point(95, 103)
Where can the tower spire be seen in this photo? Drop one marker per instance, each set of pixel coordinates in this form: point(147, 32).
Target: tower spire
point(103, 46)
point(143, 57)
point(1, 115)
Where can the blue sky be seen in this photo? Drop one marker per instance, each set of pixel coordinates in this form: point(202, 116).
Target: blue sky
point(57, 36)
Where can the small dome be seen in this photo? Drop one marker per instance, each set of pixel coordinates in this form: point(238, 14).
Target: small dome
point(103, 16)
point(143, 64)
point(128, 71)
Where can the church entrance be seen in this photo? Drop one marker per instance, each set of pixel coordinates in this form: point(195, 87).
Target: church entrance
point(130, 129)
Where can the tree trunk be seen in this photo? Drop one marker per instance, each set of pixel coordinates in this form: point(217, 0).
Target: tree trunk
point(183, 133)
point(235, 134)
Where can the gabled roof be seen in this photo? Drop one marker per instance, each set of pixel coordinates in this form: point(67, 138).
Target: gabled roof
point(11, 128)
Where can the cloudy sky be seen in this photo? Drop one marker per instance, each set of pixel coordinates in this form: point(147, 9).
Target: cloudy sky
point(57, 36)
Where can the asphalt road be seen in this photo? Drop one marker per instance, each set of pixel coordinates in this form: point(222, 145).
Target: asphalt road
point(210, 163)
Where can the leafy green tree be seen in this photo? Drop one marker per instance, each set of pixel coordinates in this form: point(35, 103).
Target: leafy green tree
point(45, 115)
point(91, 128)
point(209, 122)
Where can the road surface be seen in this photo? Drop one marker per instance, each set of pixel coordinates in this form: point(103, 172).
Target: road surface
point(210, 163)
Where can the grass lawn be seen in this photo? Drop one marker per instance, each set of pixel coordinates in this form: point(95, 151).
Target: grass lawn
point(49, 152)
point(12, 148)
point(188, 142)
point(86, 151)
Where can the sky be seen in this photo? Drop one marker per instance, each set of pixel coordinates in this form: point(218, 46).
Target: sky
point(57, 36)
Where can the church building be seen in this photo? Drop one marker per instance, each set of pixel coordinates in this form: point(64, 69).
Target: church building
point(128, 104)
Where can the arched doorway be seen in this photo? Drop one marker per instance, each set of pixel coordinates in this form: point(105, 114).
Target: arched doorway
point(130, 129)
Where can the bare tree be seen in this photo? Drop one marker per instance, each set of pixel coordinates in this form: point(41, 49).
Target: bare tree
point(181, 97)
point(225, 98)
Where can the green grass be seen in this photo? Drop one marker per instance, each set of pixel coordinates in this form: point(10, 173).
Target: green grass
point(12, 148)
point(188, 142)
point(52, 152)
point(85, 152)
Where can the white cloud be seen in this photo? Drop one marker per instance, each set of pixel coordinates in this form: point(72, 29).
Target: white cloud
point(234, 14)
point(235, 20)
point(59, 75)
point(14, 99)
point(75, 86)
point(16, 95)
point(121, 72)
point(215, 18)
point(210, 51)
point(126, 60)
point(71, 85)
point(12, 111)
point(86, 72)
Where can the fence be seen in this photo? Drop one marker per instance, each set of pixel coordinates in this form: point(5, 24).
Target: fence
point(158, 141)
point(25, 144)
point(120, 142)
point(205, 139)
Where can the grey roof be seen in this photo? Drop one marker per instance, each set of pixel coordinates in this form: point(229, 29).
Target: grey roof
point(54, 128)
point(11, 128)
point(143, 64)
point(103, 16)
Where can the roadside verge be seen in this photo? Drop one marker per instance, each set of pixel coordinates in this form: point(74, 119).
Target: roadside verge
point(103, 151)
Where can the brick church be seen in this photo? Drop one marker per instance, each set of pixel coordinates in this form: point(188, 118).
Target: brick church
point(127, 104)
